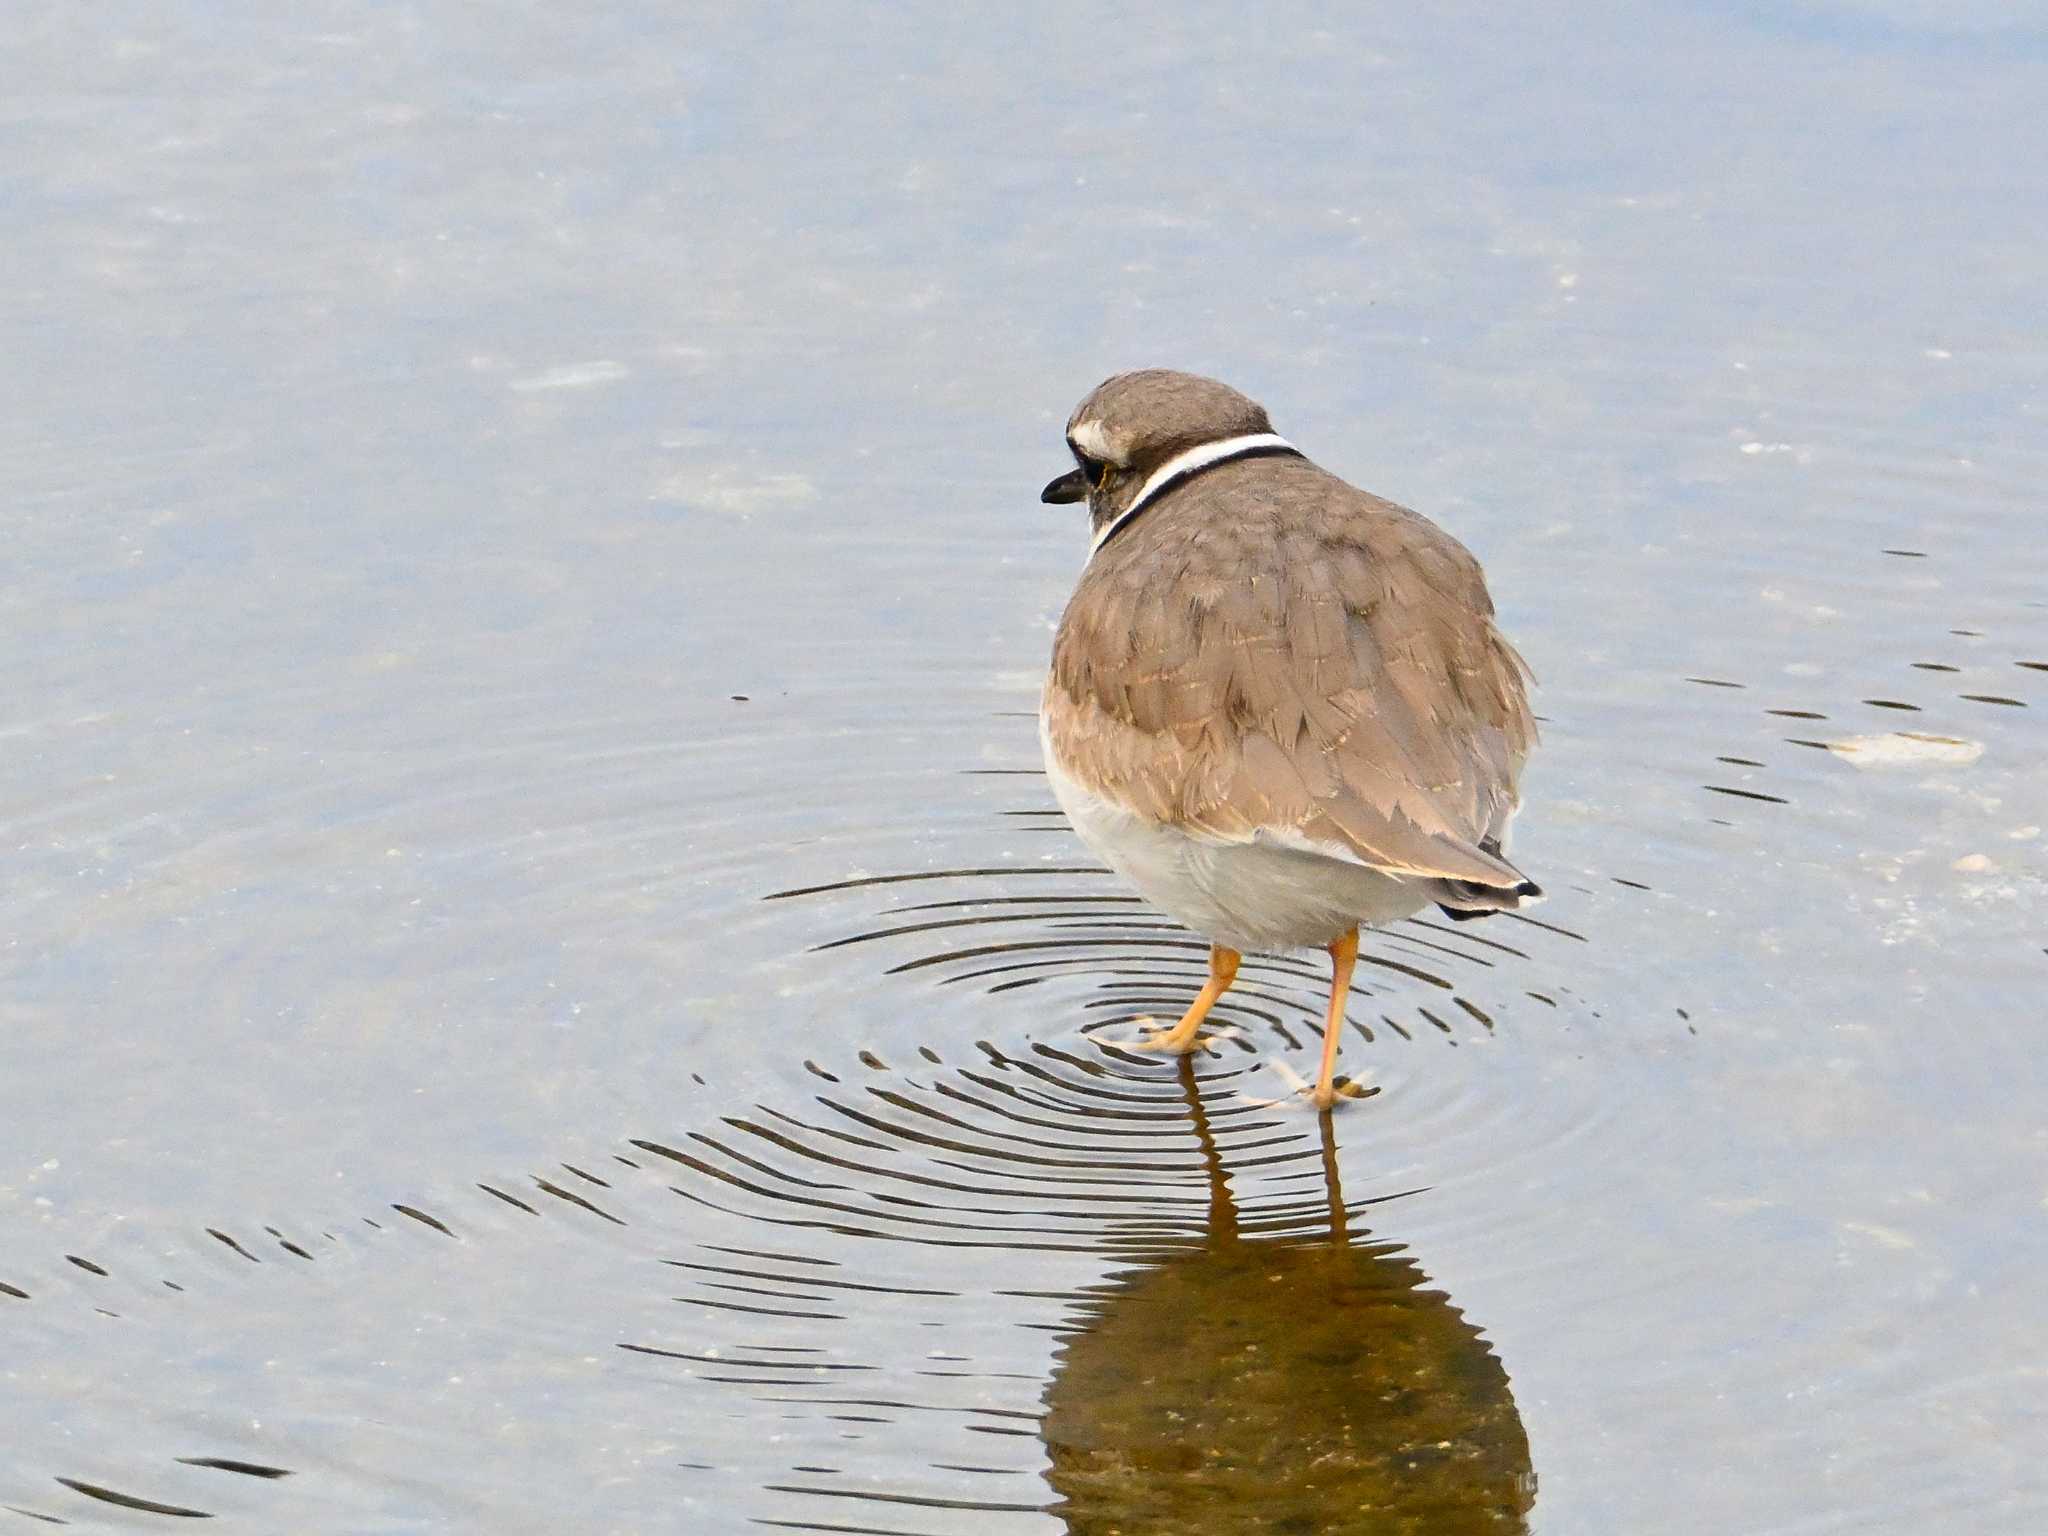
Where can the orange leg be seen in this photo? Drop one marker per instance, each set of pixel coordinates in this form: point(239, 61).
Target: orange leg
point(1343, 956)
point(1182, 1037)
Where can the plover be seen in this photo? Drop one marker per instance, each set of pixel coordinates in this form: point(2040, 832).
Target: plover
point(1279, 706)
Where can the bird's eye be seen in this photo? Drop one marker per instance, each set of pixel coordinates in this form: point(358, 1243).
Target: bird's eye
point(1097, 471)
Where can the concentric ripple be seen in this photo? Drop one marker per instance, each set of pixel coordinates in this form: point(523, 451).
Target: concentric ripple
point(1252, 1357)
point(1005, 929)
point(911, 1249)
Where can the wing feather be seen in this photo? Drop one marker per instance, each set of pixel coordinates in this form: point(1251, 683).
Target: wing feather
point(1353, 696)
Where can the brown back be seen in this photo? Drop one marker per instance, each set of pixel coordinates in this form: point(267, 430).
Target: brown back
point(1268, 648)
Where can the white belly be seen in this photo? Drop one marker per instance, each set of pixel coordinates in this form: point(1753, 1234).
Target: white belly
point(1256, 896)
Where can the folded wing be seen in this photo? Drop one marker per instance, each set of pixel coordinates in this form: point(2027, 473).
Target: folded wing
point(1354, 698)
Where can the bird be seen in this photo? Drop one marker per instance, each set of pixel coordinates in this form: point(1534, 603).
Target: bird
point(1278, 705)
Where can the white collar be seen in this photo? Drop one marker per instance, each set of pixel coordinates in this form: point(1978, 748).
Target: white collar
point(1188, 462)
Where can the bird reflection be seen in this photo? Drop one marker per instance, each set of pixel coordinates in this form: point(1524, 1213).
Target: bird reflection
point(1295, 1384)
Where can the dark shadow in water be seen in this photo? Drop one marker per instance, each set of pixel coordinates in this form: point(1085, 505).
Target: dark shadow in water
point(1254, 1362)
point(147, 1506)
point(1305, 1383)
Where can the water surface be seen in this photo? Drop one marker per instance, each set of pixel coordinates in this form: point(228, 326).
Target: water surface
point(543, 990)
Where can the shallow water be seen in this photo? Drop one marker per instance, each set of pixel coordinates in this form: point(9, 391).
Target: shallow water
point(543, 990)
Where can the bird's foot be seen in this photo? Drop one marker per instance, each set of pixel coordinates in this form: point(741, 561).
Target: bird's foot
point(1163, 1039)
point(1343, 1091)
point(1308, 1095)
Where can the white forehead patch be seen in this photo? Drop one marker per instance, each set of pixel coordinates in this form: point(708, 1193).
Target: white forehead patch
point(1093, 439)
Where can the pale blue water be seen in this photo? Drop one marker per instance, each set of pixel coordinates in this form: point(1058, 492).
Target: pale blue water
point(421, 422)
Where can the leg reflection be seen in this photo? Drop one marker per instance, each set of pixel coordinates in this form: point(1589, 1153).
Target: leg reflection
point(1306, 1382)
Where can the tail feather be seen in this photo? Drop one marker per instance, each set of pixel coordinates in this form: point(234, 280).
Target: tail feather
point(1464, 900)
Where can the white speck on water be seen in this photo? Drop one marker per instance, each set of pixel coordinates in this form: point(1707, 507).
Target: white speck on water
point(1887, 1237)
point(573, 376)
point(1741, 1205)
point(1973, 864)
point(726, 493)
point(1906, 749)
